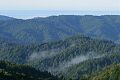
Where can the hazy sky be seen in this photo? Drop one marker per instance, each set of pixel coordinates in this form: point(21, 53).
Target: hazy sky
point(61, 5)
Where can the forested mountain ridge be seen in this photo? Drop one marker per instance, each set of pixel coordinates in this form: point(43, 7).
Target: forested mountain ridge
point(40, 30)
point(74, 57)
point(5, 18)
point(58, 44)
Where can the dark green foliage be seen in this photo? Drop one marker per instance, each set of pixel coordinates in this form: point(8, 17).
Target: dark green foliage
point(109, 73)
point(82, 46)
point(10, 71)
point(57, 56)
point(88, 67)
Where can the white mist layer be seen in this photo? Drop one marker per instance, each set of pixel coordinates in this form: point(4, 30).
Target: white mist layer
point(82, 58)
point(42, 55)
point(76, 60)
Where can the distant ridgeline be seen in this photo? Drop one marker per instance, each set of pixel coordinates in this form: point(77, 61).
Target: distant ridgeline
point(39, 30)
point(73, 58)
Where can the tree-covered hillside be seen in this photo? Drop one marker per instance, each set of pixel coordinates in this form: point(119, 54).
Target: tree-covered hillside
point(39, 30)
point(9, 71)
point(58, 44)
point(74, 57)
point(109, 73)
point(89, 67)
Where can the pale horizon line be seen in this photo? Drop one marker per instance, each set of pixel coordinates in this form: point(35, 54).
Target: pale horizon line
point(29, 14)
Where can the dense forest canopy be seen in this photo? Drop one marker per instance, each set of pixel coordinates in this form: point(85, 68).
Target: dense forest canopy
point(10, 71)
point(69, 47)
point(74, 57)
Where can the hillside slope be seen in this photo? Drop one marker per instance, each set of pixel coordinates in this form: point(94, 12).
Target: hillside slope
point(39, 30)
point(109, 73)
point(73, 57)
point(9, 71)
point(89, 67)
point(5, 18)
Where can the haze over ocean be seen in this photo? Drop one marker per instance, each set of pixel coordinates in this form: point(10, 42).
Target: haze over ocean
point(42, 8)
point(26, 14)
